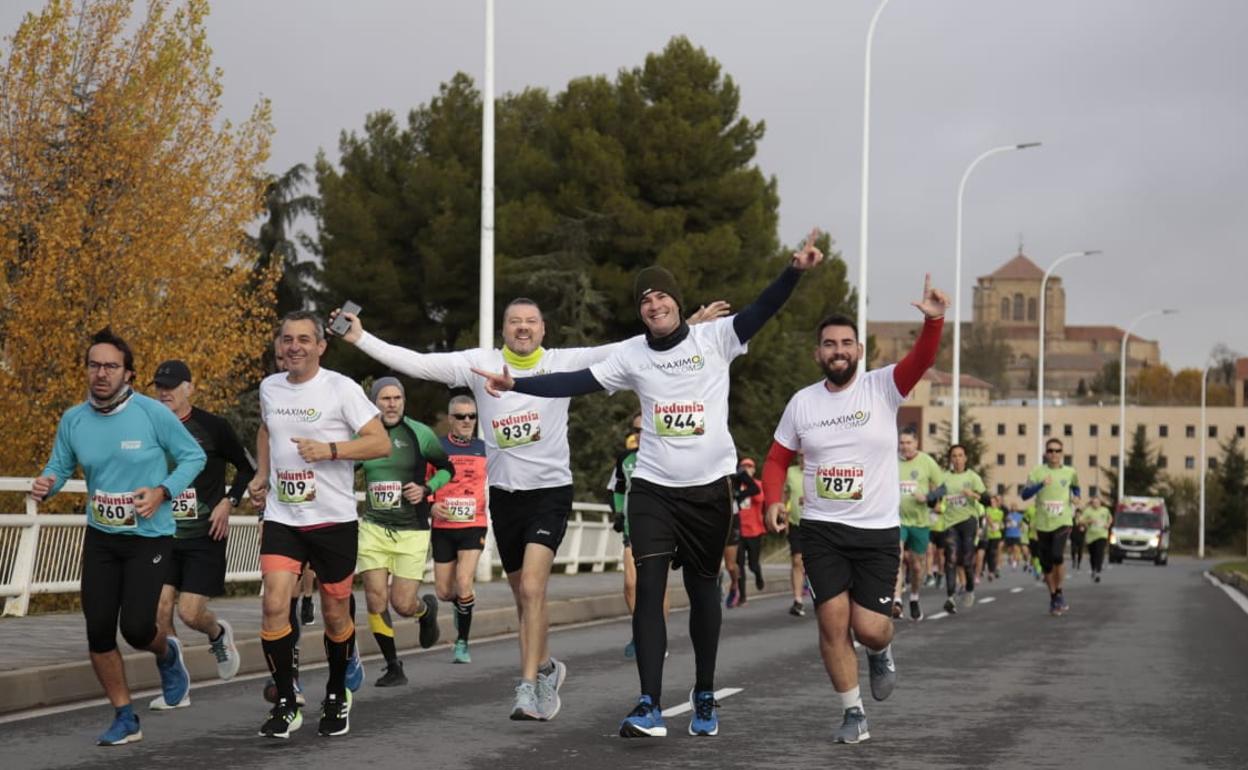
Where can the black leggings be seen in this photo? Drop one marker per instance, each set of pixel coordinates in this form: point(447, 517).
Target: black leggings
point(960, 548)
point(650, 628)
point(990, 555)
point(1096, 552)
point(122, 577)
point(750, 547)
point(1076, 546)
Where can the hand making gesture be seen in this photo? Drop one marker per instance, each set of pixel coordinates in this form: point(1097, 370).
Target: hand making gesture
point(808, 255)
point(934, 302)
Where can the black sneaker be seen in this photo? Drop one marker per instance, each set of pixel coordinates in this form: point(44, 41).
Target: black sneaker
point(797, 610)
point(393, 676)
point(307, 616)
point(759, 583)
point(896, 609)
point(951, 606)
point(429, 632)
point(335, 714)
point(284, 719)
point(916, 614)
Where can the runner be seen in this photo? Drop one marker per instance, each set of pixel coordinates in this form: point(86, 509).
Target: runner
point(1013, 536)
point(994, 523)
point(845, 426)
point(530, 492)
point(680, 500)
point(125, 443)
point(1097, 519)
point(1078, 535)
point(750, 514)
point(936, 554)
point(460, 520)
point(394, 531)
point(1033, 545)
point(305, 477)
point(793, 502)
point(920, 476)
point(202, 513)
point(1054, 486)
point(962, 491)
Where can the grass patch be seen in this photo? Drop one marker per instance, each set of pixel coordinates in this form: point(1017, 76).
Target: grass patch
point(1227, 567)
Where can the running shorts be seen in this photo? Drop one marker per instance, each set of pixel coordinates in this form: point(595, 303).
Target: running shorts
point(841, 558)
point(689, 523)
point(447, 543)
point(1052, 547)
point(401, 552)
point(198, 566)
point(528, 516)
point(330, 549)
point(915, 539)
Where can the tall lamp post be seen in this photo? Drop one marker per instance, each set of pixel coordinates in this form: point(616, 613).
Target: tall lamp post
point(866, 185)
point(1040, 369)
point(957, 284)
point(1204, 462)
point(1122, 396)
point(485, 299)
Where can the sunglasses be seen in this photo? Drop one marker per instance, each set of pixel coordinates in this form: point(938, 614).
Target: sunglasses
point(470, 416)
point(1053, 451)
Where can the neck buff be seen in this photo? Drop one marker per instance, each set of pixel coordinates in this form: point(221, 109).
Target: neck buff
point(517, 361)
point(109, 405)
point(670, 341)
point(457, 441)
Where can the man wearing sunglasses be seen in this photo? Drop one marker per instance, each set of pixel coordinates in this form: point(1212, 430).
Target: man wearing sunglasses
point(1055, 487)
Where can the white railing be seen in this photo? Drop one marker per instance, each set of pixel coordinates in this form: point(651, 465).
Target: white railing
point(41, 553)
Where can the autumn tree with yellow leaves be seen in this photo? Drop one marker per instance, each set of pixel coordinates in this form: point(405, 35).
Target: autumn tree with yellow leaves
point(124, 199)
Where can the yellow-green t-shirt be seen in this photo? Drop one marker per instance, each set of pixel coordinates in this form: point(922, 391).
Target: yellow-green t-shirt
point(962, 491)
point(919, 475)
point(1053, 506)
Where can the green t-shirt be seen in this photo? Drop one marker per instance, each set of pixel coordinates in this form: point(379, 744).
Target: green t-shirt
point(962, 491)
point(793, 491)
point(919, 475)
point(1097, 520)
point(995, 518)
point(937, 518)
point(1053, 507)
point(413, 447)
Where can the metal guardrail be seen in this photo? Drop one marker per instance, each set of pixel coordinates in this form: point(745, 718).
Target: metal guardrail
point(41, 553)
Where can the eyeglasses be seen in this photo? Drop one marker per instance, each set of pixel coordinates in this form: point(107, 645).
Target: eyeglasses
point(471, 416)
point(95, 366)
point(1053, 451)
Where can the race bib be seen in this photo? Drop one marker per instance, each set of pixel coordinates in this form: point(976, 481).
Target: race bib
point(517, 429)
point(295, 487)
point(680, 419)
point(840, 482)
point(385, 495)
point(186, 505)
point(461, 508)
point(908, 488)
point(956, 501)
point(1055, 508)
point(114, 510)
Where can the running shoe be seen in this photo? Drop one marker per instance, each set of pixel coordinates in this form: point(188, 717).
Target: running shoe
point(225, 651)
point(797, 610)
point(853, 727)
point(916, 614)
point(1096, 577)
point(644, 721)
point(731, 601)
point(883, 673)
point(951, 606)
point(525, 707)
point(630, 649)
point(759, 583)
point(1060, 607)
point(307, 616)
point(175, 680)
point(284, 719)
point(123, 730)
point(393, 676)
point(335, 714)
point(929, 581)
point(548, 702)
point(461, 652)
point(968, 600)
point(557, 673)
point(355, 669)
point(705, 710)
point(429, 632)
point(896, 609)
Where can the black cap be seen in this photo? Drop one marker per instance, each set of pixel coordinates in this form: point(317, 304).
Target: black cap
point(171, 374)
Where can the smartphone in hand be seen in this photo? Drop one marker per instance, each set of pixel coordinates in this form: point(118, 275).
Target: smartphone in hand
point(341, 325)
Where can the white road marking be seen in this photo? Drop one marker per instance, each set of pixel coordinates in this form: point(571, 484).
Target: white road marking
point(938, 616)
point(1016, 590)
point(683, 707)
point(987, 599)
point(1236, 596)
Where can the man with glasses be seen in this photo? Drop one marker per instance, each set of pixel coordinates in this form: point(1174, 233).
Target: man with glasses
point(136, 458)
point(1055, 487)
point(460, 519)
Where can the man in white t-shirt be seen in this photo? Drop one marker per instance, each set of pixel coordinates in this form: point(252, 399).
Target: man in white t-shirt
point(679, 500)
point(305, 481)
point(845, 426)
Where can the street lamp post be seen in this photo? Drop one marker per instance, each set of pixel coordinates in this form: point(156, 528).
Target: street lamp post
point(1204, 462)
point(866, 179)
point(957, 285)
point(1040, 369)
point(1122, 396)
point(485, 299)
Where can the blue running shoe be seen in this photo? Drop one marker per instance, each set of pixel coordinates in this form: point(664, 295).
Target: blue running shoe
point(705, 713)
point(124, 729)
point(644, 721)
point(355, 669)
point(175, 680)
point(630, 650)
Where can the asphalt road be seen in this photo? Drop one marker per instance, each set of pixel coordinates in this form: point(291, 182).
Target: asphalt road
point(1148, 670)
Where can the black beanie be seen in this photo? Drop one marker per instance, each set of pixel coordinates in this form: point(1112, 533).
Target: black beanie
point(656, 278)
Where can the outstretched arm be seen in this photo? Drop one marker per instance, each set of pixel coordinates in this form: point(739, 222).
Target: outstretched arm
point(557, 385)
point(751, 318)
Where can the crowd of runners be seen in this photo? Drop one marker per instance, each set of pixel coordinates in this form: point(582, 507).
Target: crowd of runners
point(869, 518)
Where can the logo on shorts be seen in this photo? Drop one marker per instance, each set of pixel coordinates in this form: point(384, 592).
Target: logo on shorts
point(156, 559)
point(884, 600)
point(542, 532)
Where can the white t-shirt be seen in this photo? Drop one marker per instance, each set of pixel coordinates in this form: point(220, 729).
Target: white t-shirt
point(526, 437)
point(849, 444)
point(328, 407)
point(684, 403)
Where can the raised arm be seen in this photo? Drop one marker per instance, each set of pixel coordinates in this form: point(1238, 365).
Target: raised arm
point(910, 369)
point(446, 368)
point(750, 320)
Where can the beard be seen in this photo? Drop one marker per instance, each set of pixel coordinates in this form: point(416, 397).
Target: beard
point(839, 377)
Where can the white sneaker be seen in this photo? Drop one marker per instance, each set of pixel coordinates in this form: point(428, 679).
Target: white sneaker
point(225, 651)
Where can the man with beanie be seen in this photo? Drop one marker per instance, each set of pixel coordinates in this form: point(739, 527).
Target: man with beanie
point(680, 498)
point(394, 530)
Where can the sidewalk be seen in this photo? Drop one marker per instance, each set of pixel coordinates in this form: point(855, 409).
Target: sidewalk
point(46, 663)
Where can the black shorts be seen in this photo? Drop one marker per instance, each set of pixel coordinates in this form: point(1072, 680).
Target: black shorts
point(528, 516)
point(1011, 542)
point(448, 542)
point(690, 524)
point(1033, 547)
point(863, 561)
point(734, 531)
point(937, 539)
point(198, 566)
point(795, 540)
point(1052, 548)
point(330, 550)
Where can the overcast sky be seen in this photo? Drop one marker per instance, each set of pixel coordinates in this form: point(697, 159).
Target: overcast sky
point(1141, 105)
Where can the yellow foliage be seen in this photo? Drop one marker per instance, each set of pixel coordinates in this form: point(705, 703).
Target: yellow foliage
point(123, 201)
